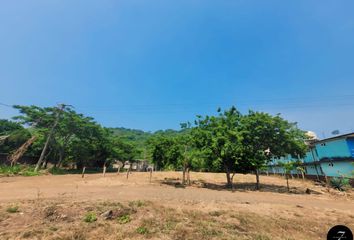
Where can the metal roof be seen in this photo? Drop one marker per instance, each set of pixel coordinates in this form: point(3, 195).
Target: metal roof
point(335, 138)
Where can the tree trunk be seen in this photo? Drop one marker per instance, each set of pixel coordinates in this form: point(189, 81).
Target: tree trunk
point(150, 174)
point(61, 156)
point(184, 175)
point(48, 138)
point(232, 181)
point(257, 179)
point(128, 171)
point(45, 162)
point(104, 170)
point(188, 176)
point(228, 178)
point(287, 182)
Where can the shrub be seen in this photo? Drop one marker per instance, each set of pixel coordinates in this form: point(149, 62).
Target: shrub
point(12, 209)
point(340, 183)
point(90, 217)
point(8, 170)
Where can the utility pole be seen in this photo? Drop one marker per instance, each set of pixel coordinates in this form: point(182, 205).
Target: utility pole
point(40, 160)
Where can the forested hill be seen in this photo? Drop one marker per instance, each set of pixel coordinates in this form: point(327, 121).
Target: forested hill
point(139, 138)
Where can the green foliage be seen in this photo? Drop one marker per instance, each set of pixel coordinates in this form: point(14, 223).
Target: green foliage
point(218, 139)
point(90, 217)
point(17, 135)
point(12, 209)
point(229, 142)
point(18, 170)
point(288, 167)
point(166, 152)
point(77, 139)
point(8, 127)
point(340, 183)
point(261, 132)
point(135, 138)
point(124, 219)
point(142, 230)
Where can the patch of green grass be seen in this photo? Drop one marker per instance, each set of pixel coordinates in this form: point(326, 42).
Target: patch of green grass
point(124, 219)
point(142, 230)
point(90, 217)
point(23, 170)
point(12, 209)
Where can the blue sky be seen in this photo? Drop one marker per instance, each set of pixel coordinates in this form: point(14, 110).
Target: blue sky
point(153, 64)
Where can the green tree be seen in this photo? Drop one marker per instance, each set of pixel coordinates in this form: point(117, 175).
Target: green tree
point(265, 136)
point(76, 139)
point(288, 167)
point(218, 139)
point(165, 151)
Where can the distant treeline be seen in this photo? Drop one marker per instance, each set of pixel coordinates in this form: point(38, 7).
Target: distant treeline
point(227, 142)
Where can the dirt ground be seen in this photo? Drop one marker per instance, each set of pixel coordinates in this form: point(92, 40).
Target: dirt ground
point(55, 207)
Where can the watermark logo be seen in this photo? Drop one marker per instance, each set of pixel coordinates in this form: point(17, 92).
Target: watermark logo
point(340, 232)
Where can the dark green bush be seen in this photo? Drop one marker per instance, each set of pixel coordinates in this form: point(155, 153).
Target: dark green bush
point(340, 183)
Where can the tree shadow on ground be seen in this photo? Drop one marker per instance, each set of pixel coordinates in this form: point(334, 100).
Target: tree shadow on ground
point(238, 187)
point(175, 182)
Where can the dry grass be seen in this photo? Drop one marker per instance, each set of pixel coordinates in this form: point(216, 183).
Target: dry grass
point(163, 210)
point(148, 220)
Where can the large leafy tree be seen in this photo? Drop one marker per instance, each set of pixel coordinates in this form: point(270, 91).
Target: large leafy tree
point(218, 139)
point(265, 136)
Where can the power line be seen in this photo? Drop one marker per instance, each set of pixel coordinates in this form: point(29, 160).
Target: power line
point(6, 105)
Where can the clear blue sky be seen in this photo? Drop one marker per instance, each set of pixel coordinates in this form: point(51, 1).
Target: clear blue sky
point(153, 64)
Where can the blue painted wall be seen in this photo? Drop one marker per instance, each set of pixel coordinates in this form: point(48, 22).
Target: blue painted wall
point(350, 142)
point(311, 170)
point(331, 149)
point(336, 169)
point(308, 157)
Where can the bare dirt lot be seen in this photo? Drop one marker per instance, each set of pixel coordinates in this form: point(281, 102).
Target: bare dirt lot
point(113, 207)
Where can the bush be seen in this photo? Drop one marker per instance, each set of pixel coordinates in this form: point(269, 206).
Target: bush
point(12, 209)
point(340, 183)
point(90, 217)
point(8, 170)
